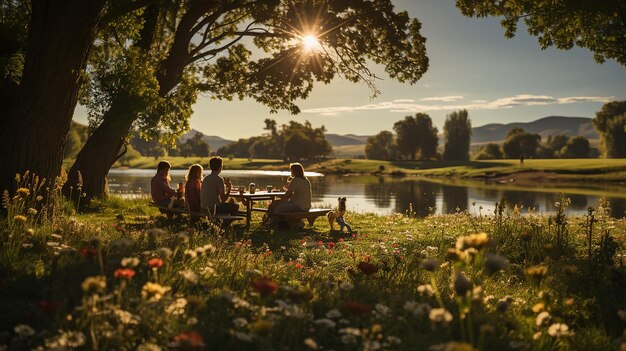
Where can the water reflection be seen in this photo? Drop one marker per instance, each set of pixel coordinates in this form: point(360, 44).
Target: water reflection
point(384, 195)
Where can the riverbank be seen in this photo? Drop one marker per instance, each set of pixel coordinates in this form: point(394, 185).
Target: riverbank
point(121, 276)
point(533, 171)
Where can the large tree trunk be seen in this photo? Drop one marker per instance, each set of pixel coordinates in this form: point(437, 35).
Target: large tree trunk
point(36, 124)
point(100, 153)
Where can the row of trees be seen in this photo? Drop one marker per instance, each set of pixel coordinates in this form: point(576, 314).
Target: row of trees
point(416, 138)
point(520, 143)
point(292, 142)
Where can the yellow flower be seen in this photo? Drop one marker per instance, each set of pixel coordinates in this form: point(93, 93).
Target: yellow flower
point(19, 218)
point(94, 285)
point(476, 241)
point(153, 292)
point(537, 273)
point(31, 211)
point(23, 192)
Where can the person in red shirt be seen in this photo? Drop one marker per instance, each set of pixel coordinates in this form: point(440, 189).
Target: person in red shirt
point(192, 187)
point(160, 185)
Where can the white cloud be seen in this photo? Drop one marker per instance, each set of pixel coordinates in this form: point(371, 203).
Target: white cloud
point(444, 98)
point(408, 106)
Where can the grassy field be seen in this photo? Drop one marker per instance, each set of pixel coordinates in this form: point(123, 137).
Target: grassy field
point(119, 276)
point(555, 169)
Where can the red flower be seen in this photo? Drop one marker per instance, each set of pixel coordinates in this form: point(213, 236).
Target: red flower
point(124, 273)
point(299, 265)
point(358, 307)
point(331, 245)
point(155, 262)
point(189, 341)
point(265, 286)
point(367, 268)
point(88, 252)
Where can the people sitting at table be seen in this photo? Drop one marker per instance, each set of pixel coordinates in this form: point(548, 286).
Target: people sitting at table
point(298, 193)
point(216, 190)
point(193, 185)
point(162, 194)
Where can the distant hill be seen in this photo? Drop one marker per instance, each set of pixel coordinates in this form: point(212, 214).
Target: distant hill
point(348, 139)
point(214, 141)
point(553, 125)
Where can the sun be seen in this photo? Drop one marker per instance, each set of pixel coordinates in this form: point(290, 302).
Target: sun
point(310, 43)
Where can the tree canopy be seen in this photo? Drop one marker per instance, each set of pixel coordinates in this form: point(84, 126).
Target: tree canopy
point(416, 135)
point(599, 26)
point(610, 122)
point(381, 146)
point(519, 143)
point(458, 133)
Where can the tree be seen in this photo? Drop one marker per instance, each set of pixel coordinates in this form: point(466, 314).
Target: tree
point(203, 40)
point(554, 145)
point(40, 95)
point(458, 133)
point(193, 146)
point(576, 147)
point(610, 122)
point(519, 143)
point(599, 26)
point(491, 151)
point(416, 134)
point(381, 146)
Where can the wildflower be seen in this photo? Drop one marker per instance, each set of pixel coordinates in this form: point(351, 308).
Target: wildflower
point(429, 264)
point(348, 339)
point(24, 330)
point(155, 263)
point(94, 285)
point(346, 286)
point(425, 289)
point(537, 273)
point(164, 252)
point(334, 313)
point(310, 343)
point(367, 268)
point(452, 346)
point(504, 303)
point(190, 276)
point(148, 346)
point(153, 292)
point(156, 233)
point(417, 309)
point(71, 339)
point(245, 337)
point(382, 310)
point(124, 273)
point(88, 252)
point(20, 219)
point(189, 341)
point(262, 326)
point(177, 307)
point(538, 307)
point(240, 322)
point(23, 192)
point(182, 238)
point(557, 330)
point(440, 317)
point(542, 318)
point(122, 242)
point(190, 254)
point(461, 284)
point(31, 212)
point(476, 241)
point(30, 231)
point(130, 262)
point(39, 198)
point(358, 307)
point(265, 286)
point(454, 254)
point(477, 295)
point(328, 323)
point(494, 263)
point(126, 317)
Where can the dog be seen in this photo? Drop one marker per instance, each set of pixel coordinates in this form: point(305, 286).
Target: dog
point(337, 216)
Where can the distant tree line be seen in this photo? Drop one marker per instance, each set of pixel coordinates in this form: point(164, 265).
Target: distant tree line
point(416, 138)
point(292, 142)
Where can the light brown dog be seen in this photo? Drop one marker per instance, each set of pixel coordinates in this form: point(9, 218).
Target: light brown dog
point(337, 216)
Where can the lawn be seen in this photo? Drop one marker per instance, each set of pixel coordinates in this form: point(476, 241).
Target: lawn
point(118, 276)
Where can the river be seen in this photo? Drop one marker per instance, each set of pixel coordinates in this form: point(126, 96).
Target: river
point(385, 195)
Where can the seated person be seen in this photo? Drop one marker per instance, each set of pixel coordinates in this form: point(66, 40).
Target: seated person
point(298, 193)
point(215, 190)
point(193, 185)
point(160, 189)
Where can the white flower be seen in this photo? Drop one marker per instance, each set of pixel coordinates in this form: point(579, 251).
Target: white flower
point(24, 330)
point(334, 313)
point(346, 286)
point(417, 309)
point(557, 330)
point(72, 339)
point(381, 310)
point(164, 252)
point(126, 317)
point(426, 289)
point(329, 323)
point(246, 337)
point(177, 307)
point(351, 331)
point(191, 254)
point(148, 347)
point(190, 276)
point(240, 322)
point(130, 262)
point(440, 316)
point(542, 318)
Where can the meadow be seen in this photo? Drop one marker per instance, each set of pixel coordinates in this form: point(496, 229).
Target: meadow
point(116, 275)
point(612, 170)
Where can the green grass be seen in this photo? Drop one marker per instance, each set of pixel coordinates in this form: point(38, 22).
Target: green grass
point(555, 169)
point(264, 288)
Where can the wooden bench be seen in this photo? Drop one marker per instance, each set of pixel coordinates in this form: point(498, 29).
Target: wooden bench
point(226, 219)
point(294, 218)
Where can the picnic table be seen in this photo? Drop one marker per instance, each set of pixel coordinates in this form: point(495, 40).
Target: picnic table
point(226, 219)
point(249, 199)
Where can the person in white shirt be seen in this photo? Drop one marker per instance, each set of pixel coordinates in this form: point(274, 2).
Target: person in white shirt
point(298, 193)
point(216, 190)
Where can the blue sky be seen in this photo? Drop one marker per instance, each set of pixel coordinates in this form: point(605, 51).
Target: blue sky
point(472, 66)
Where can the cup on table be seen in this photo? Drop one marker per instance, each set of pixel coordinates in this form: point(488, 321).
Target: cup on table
point(241, 190)
point(269, 188)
